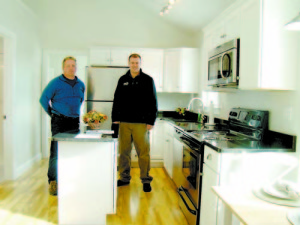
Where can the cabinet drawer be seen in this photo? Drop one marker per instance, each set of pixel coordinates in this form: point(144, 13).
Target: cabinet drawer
point(212, 159)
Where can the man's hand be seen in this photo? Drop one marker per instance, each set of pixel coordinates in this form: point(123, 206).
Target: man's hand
point(149, 127)
point(117, 122)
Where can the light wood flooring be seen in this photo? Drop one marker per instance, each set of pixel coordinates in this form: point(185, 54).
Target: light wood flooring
point(26, 201)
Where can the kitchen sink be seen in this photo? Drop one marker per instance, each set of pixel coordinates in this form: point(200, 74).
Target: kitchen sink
point(184, 121)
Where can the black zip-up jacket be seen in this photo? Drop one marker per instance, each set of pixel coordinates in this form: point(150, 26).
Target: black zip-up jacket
point(135, 99)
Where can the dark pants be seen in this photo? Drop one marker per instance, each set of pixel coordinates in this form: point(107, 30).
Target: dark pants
point(59, 124)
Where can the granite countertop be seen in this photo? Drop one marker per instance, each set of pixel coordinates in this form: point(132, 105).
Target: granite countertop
point(83, 136)
point(273, 141)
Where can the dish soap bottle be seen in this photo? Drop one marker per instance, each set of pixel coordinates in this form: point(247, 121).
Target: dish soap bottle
point(211, 114)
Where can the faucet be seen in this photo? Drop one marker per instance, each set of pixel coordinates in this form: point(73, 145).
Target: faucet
point(200, 110)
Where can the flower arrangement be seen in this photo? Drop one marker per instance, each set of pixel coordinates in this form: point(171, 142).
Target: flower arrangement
point(181, 111)
point(94, 119)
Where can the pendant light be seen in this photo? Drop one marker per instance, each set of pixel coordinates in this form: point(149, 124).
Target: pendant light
point(293, 24)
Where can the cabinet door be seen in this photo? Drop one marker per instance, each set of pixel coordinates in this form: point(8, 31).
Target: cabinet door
point(209, 201)
point(119, 56)
point(189, 76)
point(232, 25)
point(172, 71)
point(99, 56)
point(250, 45)
point(177, 162)
point(157, 141)
point(217, 37)
point(152, 64)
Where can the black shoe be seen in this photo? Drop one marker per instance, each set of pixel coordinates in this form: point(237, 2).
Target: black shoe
point(147, 187)
point(122, 183)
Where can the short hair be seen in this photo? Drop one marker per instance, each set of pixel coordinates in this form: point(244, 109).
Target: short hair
point(134, 55)
point(67, 58)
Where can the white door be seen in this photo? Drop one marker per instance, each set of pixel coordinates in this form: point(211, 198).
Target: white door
point(1, 112)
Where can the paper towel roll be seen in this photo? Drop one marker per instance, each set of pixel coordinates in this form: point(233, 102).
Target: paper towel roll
point(211, 113)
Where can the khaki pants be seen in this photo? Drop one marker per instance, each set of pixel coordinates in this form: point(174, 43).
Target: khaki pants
point(138, 133)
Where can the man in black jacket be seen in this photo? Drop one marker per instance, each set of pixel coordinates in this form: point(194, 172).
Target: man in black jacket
point(135, 109)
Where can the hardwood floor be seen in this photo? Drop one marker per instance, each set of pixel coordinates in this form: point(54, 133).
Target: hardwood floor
point(26, 201)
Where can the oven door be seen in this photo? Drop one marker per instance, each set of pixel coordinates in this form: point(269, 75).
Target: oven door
point(191, 172)
point(187, 206)
point(223, 69)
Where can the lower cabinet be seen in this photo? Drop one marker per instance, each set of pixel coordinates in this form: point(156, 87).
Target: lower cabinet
point(157, 141)
point(168, 148)
point(247, 170)
point(209, 201)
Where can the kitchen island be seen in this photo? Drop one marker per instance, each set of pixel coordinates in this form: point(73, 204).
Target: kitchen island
point(87, 178)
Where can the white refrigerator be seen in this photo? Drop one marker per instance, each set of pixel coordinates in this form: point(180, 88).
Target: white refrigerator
point(101, 84)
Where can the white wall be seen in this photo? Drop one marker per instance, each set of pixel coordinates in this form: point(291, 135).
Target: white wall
point(77, 24)
point(25, 118)
point(170, 101)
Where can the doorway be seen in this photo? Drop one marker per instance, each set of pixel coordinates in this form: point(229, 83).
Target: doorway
point(7, 75)
point(1, 109)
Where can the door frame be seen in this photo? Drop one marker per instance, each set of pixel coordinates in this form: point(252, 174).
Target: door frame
point(9, 62)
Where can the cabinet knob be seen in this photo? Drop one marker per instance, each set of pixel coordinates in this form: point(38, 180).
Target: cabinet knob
point(209, 157)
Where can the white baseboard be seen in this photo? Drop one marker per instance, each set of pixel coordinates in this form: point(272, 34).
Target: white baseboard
point(27, 165)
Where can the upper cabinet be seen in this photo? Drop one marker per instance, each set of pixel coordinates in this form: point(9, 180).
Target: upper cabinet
point(109, 56)
point(268, 52)
point(173, 70)
point(181, 70)
point(152, 64)
point(226, 30)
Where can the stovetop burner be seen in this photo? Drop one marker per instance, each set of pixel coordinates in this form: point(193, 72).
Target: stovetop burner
point(219, 136)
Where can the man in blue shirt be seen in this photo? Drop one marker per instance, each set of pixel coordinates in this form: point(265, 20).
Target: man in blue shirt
point(62, 99)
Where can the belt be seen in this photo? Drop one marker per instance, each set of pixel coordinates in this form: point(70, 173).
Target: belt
point(63, 116)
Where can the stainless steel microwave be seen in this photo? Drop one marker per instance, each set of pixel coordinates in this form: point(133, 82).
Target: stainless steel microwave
point(223, 64)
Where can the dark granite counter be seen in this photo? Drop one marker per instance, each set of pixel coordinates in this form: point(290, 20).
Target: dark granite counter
point(272, 142)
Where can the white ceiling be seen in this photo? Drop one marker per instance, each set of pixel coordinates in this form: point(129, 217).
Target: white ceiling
point(189, 15)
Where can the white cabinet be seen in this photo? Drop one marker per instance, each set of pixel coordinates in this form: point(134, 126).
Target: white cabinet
point(168, 148)
point(209, 201)
point(177, 162)
point(225, 30)
point(100, 189)
point(157, 141)
point(181, 70)
point(152, 64)
point(109, 56)
point(247, 170)
point(268, 56)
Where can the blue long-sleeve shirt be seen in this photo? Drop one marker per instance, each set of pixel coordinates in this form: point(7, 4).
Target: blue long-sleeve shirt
point(65, 99)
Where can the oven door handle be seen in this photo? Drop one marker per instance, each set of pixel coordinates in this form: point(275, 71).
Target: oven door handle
point(182, 198)
point(188, 144)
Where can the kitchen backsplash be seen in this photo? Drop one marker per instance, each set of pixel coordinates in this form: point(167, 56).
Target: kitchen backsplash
point(170, 101)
